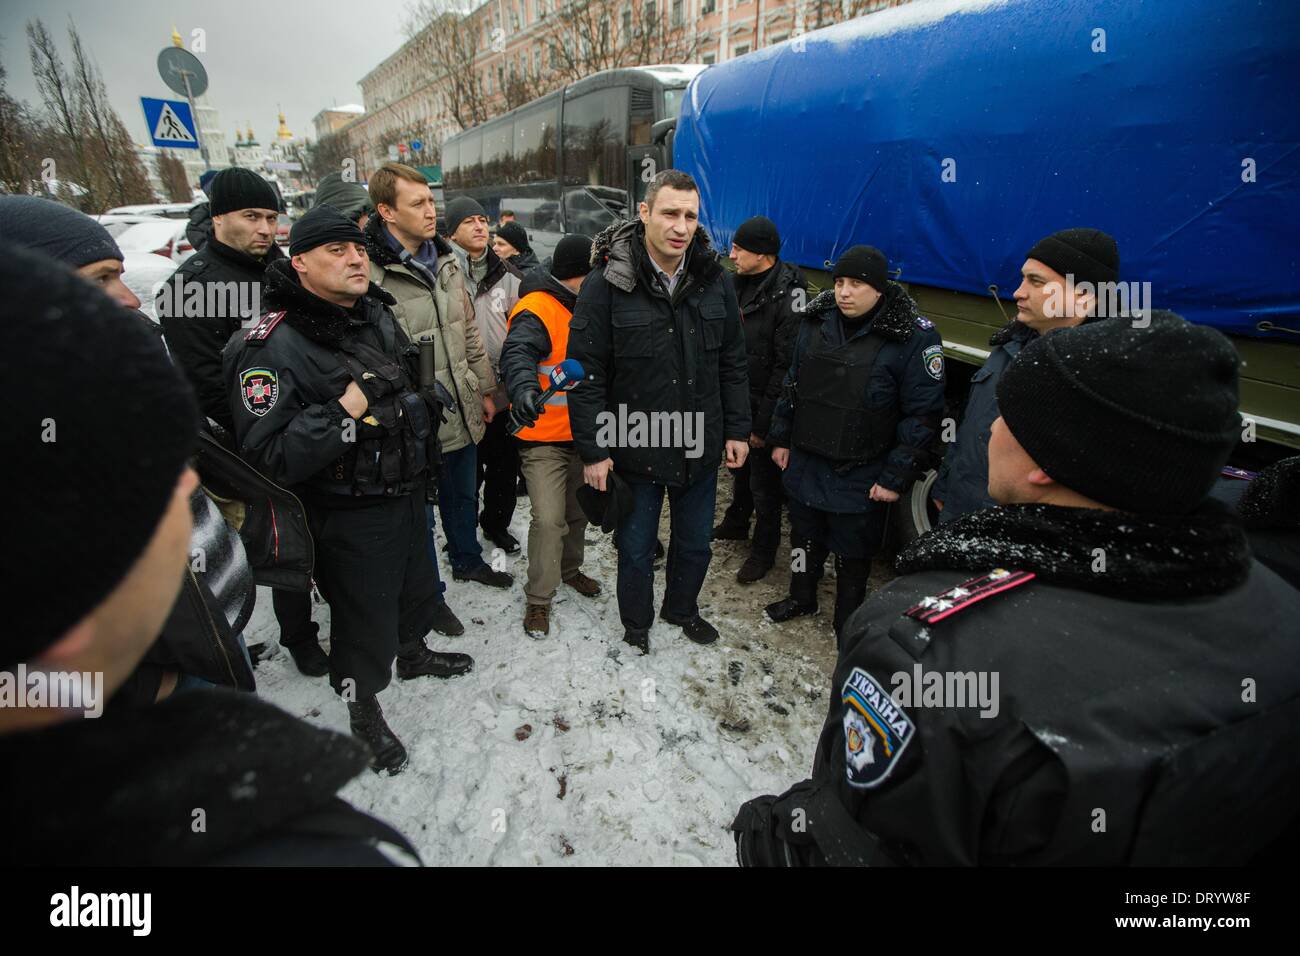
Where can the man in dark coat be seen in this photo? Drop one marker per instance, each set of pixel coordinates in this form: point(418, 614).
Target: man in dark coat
point(1052, 276)
point(206, 776)
point(324, 394)
point(1096, 672)
point(658, 331)
point(771, 294)
point(863, 398)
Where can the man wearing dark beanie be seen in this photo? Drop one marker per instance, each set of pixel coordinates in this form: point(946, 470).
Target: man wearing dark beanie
point(511, 244)
point(537, 341)
point(96, 576)
point(859, 408)
point(770, 294)
point(326, 401)
point(1061, 283)
point(1117, 618)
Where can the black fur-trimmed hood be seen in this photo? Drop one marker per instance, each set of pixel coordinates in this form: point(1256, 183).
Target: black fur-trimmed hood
point(385, 255)
point(897, 320)
point(620, 250)
point(320, 321)
point(1147, 557)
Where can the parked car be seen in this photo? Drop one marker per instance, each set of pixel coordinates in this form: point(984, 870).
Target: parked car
point(119, 222)
point(143, 273)
point(163, 237)
point(166, 210)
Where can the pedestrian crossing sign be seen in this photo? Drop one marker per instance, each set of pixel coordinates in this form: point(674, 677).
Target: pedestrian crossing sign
point(170, 122)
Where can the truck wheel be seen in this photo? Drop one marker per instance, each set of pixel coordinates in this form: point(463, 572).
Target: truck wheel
point(914, 514)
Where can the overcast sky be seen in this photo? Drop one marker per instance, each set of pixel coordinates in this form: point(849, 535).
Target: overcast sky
point(305, 55)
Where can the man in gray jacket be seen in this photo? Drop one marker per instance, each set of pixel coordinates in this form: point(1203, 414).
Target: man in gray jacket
point(493, 285)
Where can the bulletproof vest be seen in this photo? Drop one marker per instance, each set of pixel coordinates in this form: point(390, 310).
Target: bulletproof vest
point(393, 436)
point(831, 417)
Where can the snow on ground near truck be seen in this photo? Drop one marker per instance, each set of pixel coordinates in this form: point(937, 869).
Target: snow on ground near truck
point(576, 749)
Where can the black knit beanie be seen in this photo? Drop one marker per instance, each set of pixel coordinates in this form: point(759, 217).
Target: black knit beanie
point(321, 225)
point(1089, 255)
point(238, 188)
point(866, 263)
point(95, 446)
point(514, 234)
point(460, 209)
point(758, 235)
point(572, 257)
point(56, 230)
point(1141, 419)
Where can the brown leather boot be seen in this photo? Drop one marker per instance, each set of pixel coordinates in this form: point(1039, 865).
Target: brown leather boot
point(584, 585)
point(537, 620)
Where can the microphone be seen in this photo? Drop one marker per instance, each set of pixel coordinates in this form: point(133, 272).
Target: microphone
point(565, 377)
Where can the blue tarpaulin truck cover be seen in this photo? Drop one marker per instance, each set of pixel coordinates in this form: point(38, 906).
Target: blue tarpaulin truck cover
point(952, 134)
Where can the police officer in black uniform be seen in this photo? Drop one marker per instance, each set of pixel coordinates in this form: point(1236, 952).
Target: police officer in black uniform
point(862, 402)
point(326, 400)
point(1136, 686)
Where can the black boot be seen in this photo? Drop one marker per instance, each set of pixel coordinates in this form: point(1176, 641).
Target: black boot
point(446, 622)
point(802, 599)
point(308, 657)
point(696, 628)
point(484, 574)
point(416, 660)
point(369, 726)
point(733, 528)
point(503, 539)
point(756, 565)
point(638, 639)
point(850, 589)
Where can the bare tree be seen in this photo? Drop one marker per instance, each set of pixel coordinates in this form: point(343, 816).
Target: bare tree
point(175, 181)
point(592, 35)
point(449, 40)
point(59, 96)
point(111, 146)
point(822, 13)
point(16, 136)
point(327, 155)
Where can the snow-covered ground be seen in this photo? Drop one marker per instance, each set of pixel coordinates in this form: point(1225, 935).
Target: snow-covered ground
point(576, 749)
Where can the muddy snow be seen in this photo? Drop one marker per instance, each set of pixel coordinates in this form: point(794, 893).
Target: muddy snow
point(576, 749)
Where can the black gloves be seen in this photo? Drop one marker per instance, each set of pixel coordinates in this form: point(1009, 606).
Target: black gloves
point(772, 831)
point(527, 407)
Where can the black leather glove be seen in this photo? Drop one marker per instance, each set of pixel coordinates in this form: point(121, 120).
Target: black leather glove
point(527, 406)
point(772, 831)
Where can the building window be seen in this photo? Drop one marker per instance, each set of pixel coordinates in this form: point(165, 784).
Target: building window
point(742, 49)
point(708, 6)
point(679, 12)
point(651, 11)
point(710, 59)
point(625, 28)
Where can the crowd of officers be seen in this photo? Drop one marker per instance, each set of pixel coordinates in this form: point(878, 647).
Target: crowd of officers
point(397, 371)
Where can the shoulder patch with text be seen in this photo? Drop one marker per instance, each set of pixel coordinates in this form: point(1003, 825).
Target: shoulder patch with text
point(933, 359)
point(876, 730)
point(259, 388)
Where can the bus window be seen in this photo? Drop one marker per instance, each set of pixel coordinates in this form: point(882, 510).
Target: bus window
point(498, 153)
point(450, 172)
point(471, 160)
point(535, 130)
point(595, 139)
point(673, 101)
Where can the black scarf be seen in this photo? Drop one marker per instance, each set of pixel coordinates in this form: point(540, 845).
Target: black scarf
point(322, 322)
point(219, 249)
point(1147, 557)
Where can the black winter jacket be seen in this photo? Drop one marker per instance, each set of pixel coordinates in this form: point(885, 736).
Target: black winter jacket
point(1147, 709)
point(647, 354)
point(298, 438)
point(123, 790)
point(771, 306)
point(907, 375)
point(196, 341)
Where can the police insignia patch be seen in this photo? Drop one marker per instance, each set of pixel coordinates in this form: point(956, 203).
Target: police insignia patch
point(876, 730)
point(933, 359)
point(259, 388)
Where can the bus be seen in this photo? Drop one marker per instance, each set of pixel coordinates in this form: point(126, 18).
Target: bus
point(571, 161)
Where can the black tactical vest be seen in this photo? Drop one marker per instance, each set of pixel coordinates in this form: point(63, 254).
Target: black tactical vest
point(831, 417)
point(393, 436)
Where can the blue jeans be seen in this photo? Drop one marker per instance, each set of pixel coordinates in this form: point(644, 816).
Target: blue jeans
point(458, 502)
point(689, 552)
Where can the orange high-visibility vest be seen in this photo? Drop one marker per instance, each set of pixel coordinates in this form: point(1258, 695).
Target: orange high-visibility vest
point(553, 425)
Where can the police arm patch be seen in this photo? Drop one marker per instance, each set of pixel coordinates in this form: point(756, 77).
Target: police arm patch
point(876, 730)
point(932, 358)
point(259, 388)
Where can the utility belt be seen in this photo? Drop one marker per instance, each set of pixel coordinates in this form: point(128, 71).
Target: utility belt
point(395, 441)
point(831, 418)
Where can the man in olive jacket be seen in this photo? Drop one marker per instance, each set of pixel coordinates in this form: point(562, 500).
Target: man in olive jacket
point(657, 330)
point(406, 222)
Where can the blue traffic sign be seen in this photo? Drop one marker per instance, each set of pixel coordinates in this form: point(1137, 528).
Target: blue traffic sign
point(170, 122)
point(416, 145)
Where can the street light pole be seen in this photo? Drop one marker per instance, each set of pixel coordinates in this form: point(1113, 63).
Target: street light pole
point(194, 112)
